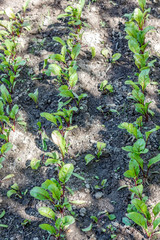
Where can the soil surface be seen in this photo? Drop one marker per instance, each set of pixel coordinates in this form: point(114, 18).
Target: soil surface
point(106, 31)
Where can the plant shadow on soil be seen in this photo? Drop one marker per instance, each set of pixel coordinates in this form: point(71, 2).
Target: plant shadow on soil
point(105, 169)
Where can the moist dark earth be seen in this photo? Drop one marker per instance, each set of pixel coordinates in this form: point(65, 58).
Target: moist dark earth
point(106, 30)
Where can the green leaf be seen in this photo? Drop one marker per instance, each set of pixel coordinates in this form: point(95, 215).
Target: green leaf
point(34, 96)
point(7, 177)
point(3, 226)
point(9, 12)
point(134, 45)
point(59, 141)
point(47, 212)
point(75, 51)
point(139, 146)
point(56, 193)
point(6, 147)
point(87, 229)
point(138, 96)
point(5, 94)
point(136, 157)
point(73, 79)
point(138, 190)
point(115, 57)
point(57, 57)
point(66, 93)
point(66, 172)
point(78, 176)
point(49, 117)
point(67, 221)
point(138, 16)
point(11, 192)
point(133, 84)
point(14, 111)
point(26, 5)
point(78, 202)
point(141, 207)
point(128, 148)
point(101, 145)
point(143, 78)
point(156, 223)
point(93, 51)
point(2, 214)
point(111, 217)
point(88, 158)
point(129, 174)
point(35, 163)
point(40, 194)
point(153, 160)
point(48, 228)
point(126, 221)
point(151, 131)
point(142, 4)
point(58, 39)
point(1, 108)
point(105, 52)
point(156, 209)
point(55, 69)
point(130, 129)
point(4, 119)
point(138, 219)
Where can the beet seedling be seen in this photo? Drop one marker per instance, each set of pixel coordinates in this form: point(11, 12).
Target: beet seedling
point(9, 37)
point(104, 86)
point(16, 190)
point(35, 163)
point(135, 151)
point(89, 157)
point(143, 218)
point(34, 96)
point(74, 13)
point(65, 67)
point(1, 216)
point(54, 191)
point(4, 149)
point(43, 135)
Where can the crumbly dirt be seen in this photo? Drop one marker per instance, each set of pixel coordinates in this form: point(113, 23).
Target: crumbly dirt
point(106, 31)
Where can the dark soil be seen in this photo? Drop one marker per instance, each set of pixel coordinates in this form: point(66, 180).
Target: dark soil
point(106, 31)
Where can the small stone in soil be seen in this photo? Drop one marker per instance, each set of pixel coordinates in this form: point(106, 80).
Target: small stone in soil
point(98, 195)
point(82, 212)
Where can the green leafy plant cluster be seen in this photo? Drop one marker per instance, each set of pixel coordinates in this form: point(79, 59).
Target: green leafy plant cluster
point(73, 13)
point(63, 67)
point(136, 34)
point(10, 66)
point(54, 189)
point(139, 164)
point(10, 34)
point(138, 171)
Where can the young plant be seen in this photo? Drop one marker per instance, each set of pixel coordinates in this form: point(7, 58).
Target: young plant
point(64, 66)
point(4, 149)
point(34, 96)
point(89, 157)
point(44, 137)
point(74, 14)
point(105, 87)
point(54, 190)
point(56, 119)
point(107, 55)
point(9, 38)
point(35, 163)
point(16, 190)
point(144, 219)
point(135, 151)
